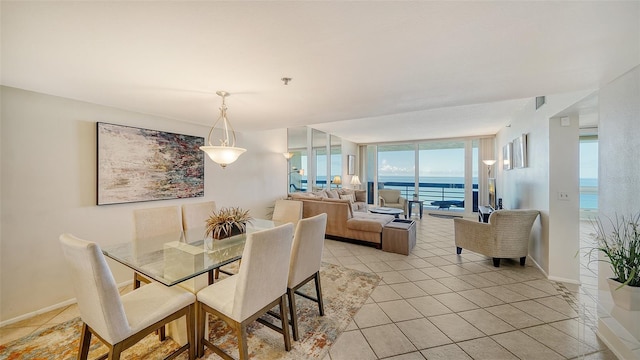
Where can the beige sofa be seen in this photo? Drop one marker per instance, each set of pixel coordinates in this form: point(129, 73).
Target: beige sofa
point(358, 198)
point(343, 222)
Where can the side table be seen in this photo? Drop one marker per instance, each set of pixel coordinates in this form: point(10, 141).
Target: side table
point(483, 213)
point(419, 202)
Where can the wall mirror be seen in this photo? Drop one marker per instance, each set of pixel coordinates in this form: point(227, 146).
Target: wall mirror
point(336, 162)
point(319, 148)
point(297, 164)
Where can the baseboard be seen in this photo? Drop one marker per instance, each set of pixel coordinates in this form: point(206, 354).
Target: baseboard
point(537, 265)
point(49, 308)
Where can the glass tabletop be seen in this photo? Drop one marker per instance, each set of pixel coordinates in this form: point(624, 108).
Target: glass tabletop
point(175, 257)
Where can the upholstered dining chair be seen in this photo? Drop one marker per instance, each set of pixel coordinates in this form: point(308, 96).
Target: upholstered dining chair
point(121, 322)
point(306, 258)
point(505, 236)
point(287, 211)
point(260, 285)
point(153, 223)
point(194, 215)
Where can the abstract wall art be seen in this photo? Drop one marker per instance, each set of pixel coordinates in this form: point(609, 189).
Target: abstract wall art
point(137, 164)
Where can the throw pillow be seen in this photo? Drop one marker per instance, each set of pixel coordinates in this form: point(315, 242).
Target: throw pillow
point(361, 195)
point(350, 197)
point(333, 194)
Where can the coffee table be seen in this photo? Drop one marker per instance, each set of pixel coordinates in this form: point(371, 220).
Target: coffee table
point(387, 211)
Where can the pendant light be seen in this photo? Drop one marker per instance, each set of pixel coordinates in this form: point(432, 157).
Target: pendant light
point(226, 152)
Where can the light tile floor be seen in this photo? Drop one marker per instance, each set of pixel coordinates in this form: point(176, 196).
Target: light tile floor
point(434, 304)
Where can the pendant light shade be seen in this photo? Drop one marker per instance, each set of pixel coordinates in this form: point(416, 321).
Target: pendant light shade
point(227, 152)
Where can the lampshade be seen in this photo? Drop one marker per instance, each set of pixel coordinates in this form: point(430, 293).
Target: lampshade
point(355, 180)
point(226, 152)
point(489, 162)
point(337, 180)
point(223, 155)
point(287, 155)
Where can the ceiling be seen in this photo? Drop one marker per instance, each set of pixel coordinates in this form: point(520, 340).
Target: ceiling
point(365, 71)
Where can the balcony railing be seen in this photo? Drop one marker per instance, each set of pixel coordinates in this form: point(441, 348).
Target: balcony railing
point(434, 195)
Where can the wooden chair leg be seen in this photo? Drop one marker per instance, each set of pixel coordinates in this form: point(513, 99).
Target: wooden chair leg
point(285, 322)
point(85, 342)
point(241, 331)
point(136, 281)
point(202, 316)
point(115, 352)
point(191, 334)
point(319, 294)
point(161, 333)
point(292, 313)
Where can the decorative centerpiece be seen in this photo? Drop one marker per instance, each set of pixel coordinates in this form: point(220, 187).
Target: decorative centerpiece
point(227, 222)
point(621, 246)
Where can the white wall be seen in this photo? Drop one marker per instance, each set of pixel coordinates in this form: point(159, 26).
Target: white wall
point(349, 148)
point(618, 150)
point(529, 188)
point(564, 214)
point(49, 187)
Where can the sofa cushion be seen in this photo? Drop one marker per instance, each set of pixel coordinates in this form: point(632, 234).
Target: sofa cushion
point(303, 196)
point(320, 194)
point(350, 197)
point(368, 222)
point(332, 194)
point(361, 195)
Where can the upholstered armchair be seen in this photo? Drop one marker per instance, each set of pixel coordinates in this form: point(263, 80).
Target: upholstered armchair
point(505, 236)
point(391, 198)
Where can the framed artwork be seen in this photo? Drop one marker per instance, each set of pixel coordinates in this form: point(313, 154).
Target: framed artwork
point(520, 151)
point(351, 164)
point(137, 164)
point(506, 156)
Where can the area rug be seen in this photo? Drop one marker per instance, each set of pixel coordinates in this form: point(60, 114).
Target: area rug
point(344, 290)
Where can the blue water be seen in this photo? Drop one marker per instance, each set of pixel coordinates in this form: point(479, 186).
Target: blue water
point(588, 194)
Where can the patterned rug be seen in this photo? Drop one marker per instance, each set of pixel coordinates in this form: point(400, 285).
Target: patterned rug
point(344, 290)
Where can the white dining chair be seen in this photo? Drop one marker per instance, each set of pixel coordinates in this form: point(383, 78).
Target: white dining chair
point(287, 211)
point(306, 258)
point(121, 321)
point(154, 223)
point(260, 285)
point(195, 215)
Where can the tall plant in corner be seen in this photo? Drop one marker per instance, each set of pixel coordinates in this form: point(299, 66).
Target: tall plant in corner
point(621, 247)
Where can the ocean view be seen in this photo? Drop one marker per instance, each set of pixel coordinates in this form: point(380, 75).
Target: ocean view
point(588, 187)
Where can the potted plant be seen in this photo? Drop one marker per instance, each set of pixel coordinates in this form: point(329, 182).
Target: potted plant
point(227, 222)
point(621, 247)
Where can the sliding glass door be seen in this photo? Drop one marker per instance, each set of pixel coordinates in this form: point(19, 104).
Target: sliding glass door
point(443, 174)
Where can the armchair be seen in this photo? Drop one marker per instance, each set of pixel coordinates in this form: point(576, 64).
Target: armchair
point(391, 198)
point(505, 236)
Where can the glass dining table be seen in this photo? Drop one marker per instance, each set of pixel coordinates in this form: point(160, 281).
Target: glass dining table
point(180, 258)
point(173, 258)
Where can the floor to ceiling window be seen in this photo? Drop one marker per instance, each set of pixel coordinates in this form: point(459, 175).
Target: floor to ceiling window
point(443, 174)
point(397, 168)
point(588, 173)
